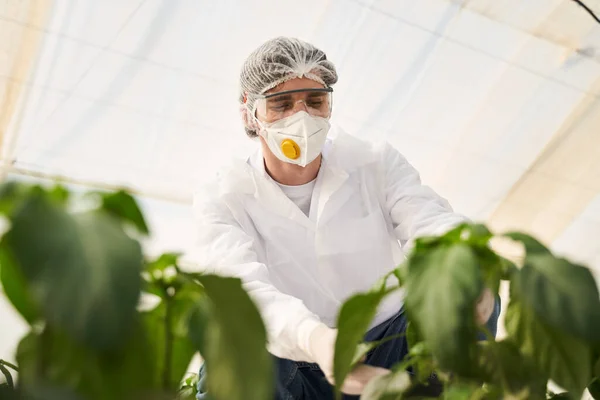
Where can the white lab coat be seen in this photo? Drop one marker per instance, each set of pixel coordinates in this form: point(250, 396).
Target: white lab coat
point(368, 205)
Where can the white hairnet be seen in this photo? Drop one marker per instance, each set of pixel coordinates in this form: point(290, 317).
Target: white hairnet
point(275, 62)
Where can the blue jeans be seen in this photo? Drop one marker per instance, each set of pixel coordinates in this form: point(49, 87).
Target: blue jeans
point(305, 381)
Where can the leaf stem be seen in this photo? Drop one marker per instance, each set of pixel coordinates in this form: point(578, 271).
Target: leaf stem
point(7, 376)
point(46, 350)
point(168, 341)
point(9, 365)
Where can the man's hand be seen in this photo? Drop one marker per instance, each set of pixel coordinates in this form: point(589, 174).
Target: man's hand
point(321, 347)
point(484, 307)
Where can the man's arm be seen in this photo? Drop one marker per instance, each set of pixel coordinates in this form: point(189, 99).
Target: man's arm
point(416, 210)
point(225, 249)
point(294, 332)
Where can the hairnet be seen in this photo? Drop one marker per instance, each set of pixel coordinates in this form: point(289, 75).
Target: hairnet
point(275, 62)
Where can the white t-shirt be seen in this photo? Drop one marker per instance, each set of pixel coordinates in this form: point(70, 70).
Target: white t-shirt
point(300, 195)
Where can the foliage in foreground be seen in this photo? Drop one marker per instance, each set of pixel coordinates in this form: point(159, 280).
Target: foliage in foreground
point(78, 279)
point(552, 322)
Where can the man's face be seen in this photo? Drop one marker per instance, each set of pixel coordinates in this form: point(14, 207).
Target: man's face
point(274, 108)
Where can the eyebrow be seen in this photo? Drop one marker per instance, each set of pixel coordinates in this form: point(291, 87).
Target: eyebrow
point(285, 97)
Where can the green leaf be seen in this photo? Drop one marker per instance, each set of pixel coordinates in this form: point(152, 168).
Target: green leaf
point(15, 286)
point(123, 206)
point(161, 263)
point(388, 386)
point(463, 391)
point(412, 334)
point(597, 368)
point(82, 269)
point(491, 267)
point(59, 194)
point(361, 351)
point(532, 245)
point(234, 348)
point(556, 354)
point(441, 291)
point(8, 393)
point(167, 325)
point(43, 391)
point(564, 295)
point(501, 364)
point(507, 267)
point(479, 235)
point(363, 348)
point(52, 358)
point(400, 274)
point(202, 329)
point(453, 236)
point(11, 195)
point(353, 321)
point(594, 388)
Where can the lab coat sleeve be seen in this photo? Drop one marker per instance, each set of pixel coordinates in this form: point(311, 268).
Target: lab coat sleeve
point(225, 249)
point(415, 209)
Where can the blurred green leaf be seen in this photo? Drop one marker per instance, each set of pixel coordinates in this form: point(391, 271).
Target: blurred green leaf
point(463, 391)
point(363, 348)
point(594, 388)
point(189, 388)
point(453, 236)
point(556, 354)
point(479, 235)
point(507, 267)
point(597, 368)
point(15, 286)
point(502, 364)
point(234, 348)
point(390, 386)
point(531, 244)
point(59, 194)
point(163, 261)
point(175, 319)
point(353, 321)
point(123, 206)
point(412, 334)
point(201, 328)
point(11, 195)
point(442, 287)
point(8, 393)
point(83, 269)
point(44, 391)
point(53, 358)
point(361, 351)
point(491, 267)
point(186, 393)
point(562, 294)
point(400, 274)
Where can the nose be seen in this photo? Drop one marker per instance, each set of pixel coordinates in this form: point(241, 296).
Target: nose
point(302, 107)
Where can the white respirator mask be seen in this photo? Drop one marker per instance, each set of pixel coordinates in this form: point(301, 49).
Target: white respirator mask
point(297, 139)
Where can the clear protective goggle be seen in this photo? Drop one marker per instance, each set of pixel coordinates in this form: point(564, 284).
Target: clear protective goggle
point(275, 106)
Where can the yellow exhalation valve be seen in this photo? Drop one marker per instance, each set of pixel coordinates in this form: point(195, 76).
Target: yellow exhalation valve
point(290, 149)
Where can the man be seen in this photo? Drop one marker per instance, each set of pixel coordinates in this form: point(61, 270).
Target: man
point(314, 216)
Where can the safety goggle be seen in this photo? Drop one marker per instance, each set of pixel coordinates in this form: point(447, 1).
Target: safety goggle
point(275, 106)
